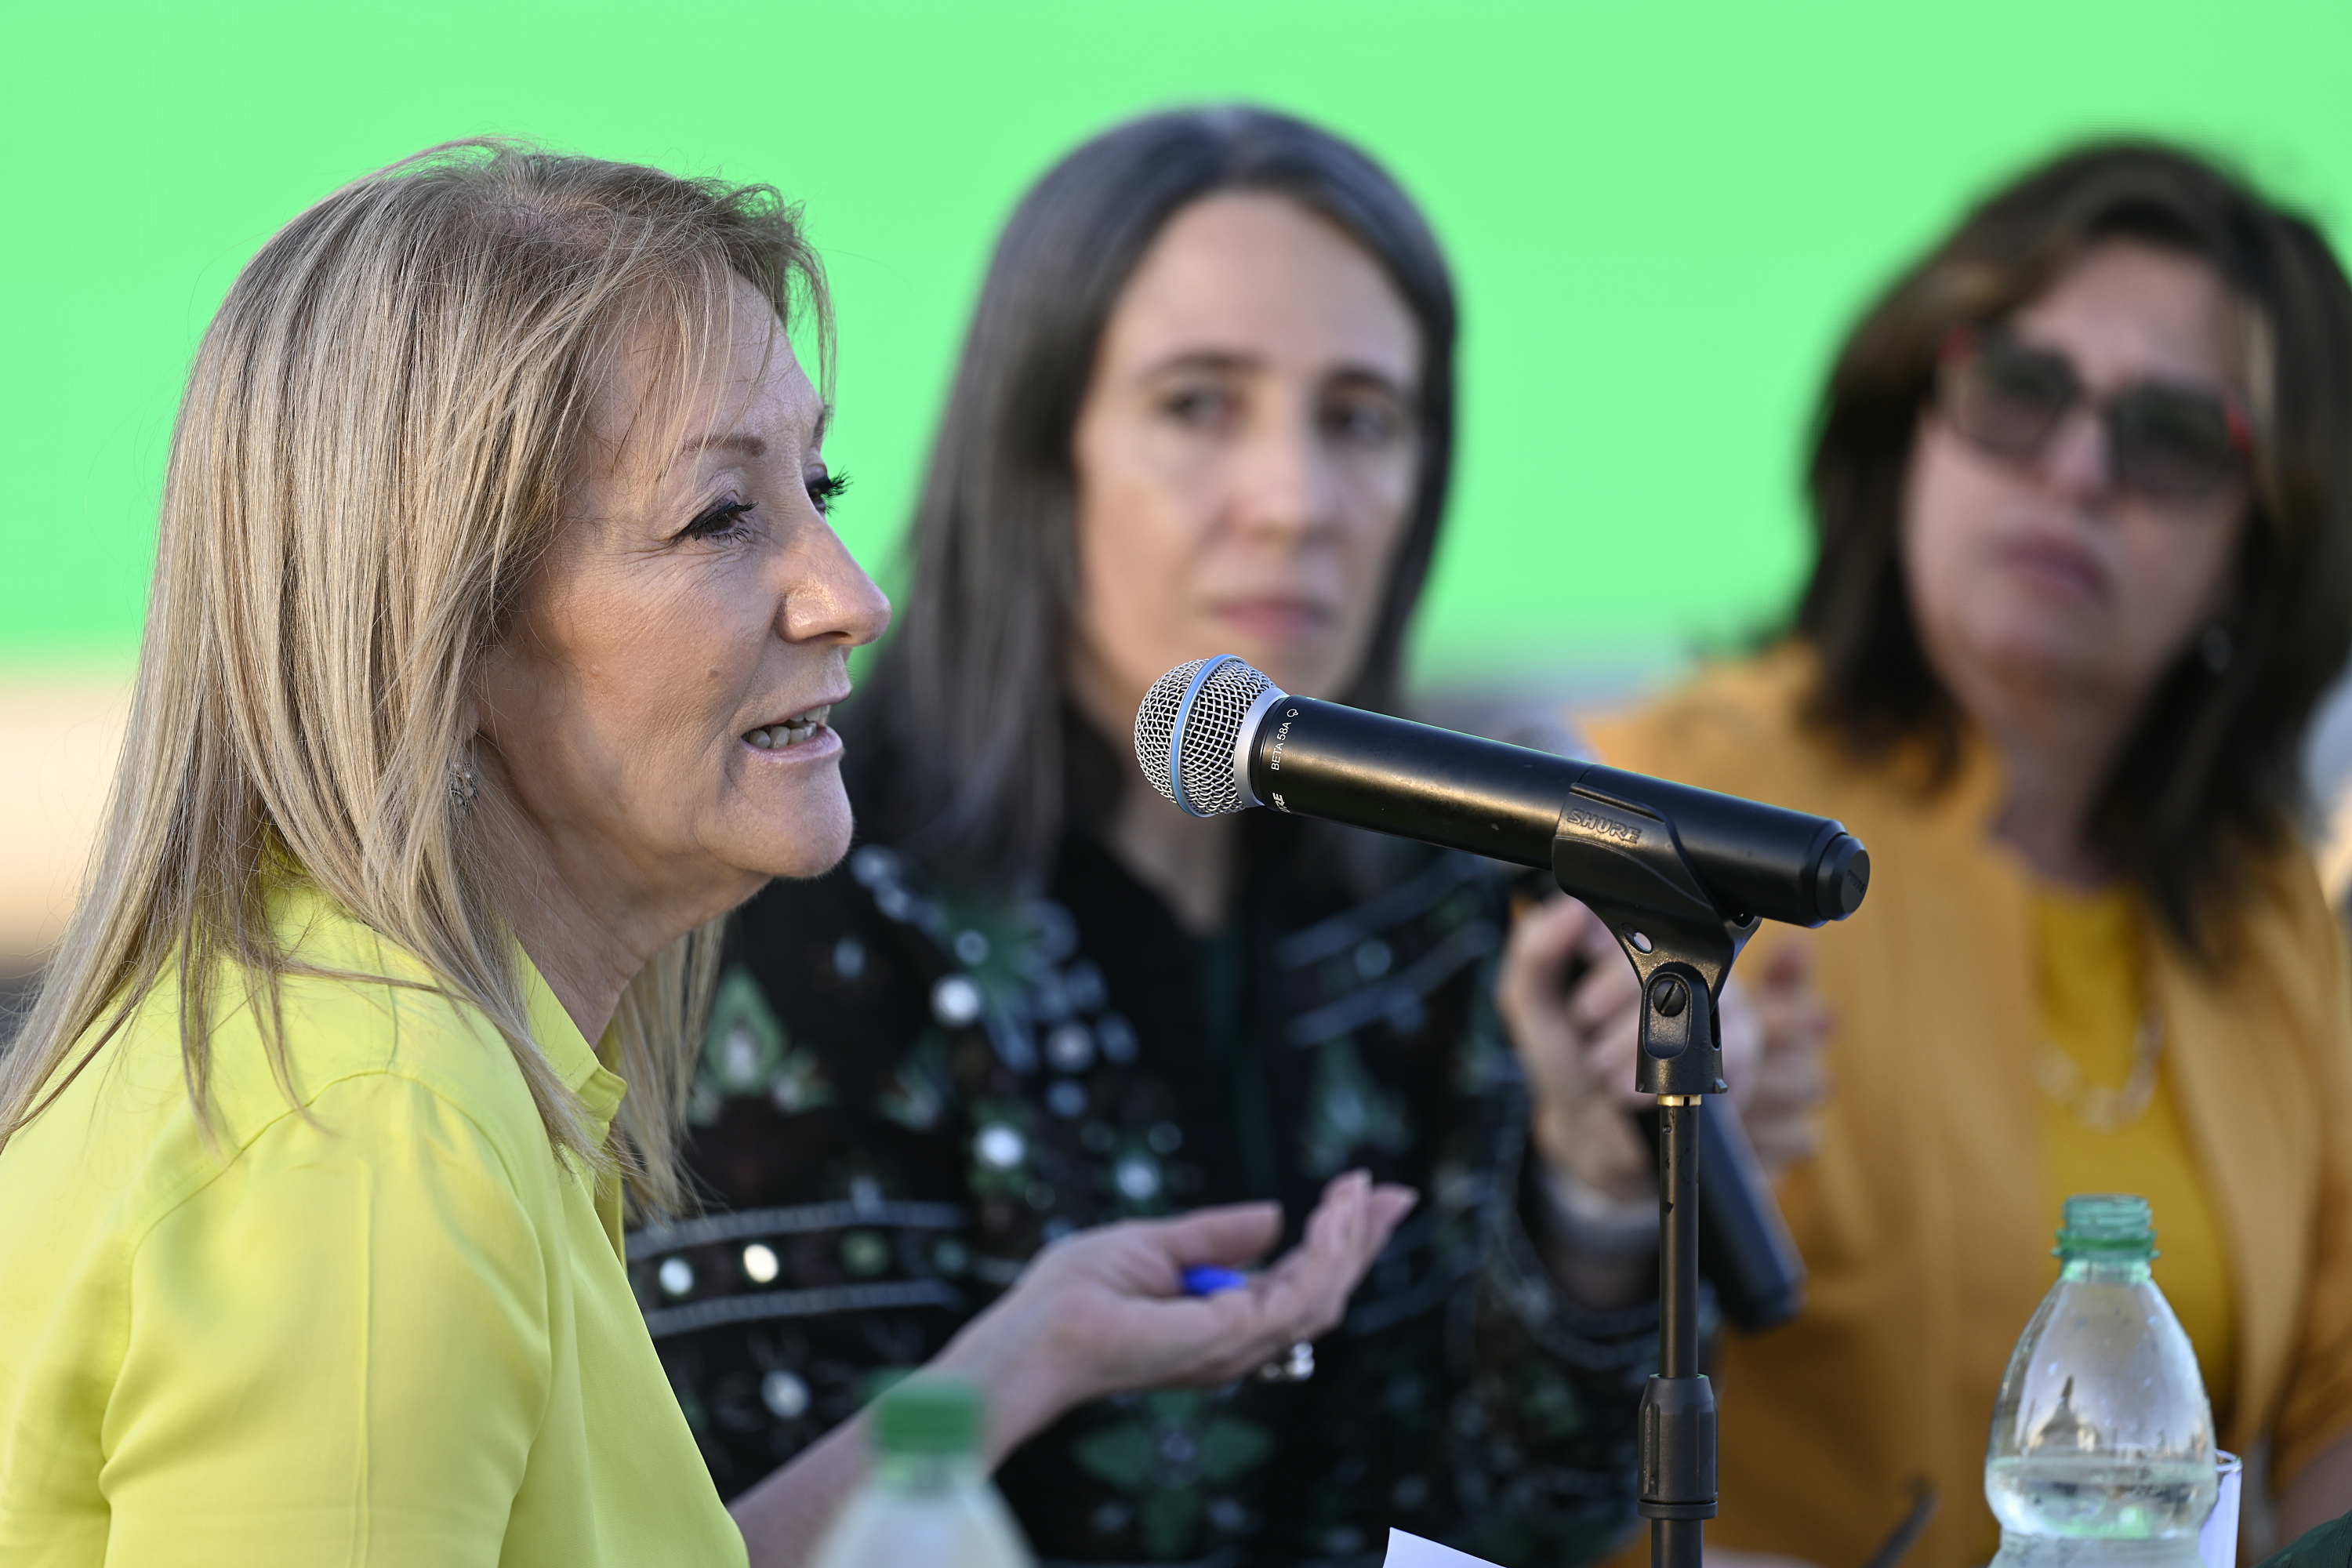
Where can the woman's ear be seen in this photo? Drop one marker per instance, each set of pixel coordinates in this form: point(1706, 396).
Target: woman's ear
point(465, 782)
point(2212, 641)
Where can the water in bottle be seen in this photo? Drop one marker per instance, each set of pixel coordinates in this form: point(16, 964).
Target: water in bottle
point(926, 1499)
point(2102, 1448)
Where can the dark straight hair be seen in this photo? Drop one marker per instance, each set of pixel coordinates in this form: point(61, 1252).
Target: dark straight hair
point(974, 749)
point(2210, 780)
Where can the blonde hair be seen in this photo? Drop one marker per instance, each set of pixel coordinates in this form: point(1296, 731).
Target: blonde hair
point(370, 457)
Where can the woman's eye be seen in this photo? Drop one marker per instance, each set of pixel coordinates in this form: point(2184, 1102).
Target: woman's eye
point(1198, 406)
point(721, 521)
point(1364, 423)
point(826, 488)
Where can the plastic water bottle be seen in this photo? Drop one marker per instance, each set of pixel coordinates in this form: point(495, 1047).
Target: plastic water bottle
point(926, 1500)
point(2102, 1448)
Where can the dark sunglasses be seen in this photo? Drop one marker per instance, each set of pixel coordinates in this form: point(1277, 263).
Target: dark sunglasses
point(2167, 443)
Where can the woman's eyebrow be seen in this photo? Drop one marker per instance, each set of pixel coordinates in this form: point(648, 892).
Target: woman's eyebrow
point(741, 441)
point(1233, 362)
point(1225, 361)
point(1368, 375)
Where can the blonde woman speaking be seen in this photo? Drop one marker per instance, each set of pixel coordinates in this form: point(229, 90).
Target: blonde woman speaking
point(496, 622)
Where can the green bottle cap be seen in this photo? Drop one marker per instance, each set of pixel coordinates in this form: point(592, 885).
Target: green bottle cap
point(927, 1415)
point(2113, 1225)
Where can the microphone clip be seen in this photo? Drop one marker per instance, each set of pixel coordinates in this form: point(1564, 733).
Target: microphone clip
point(1626, 865)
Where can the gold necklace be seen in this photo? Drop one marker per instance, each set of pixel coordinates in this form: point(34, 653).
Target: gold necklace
point(2097, 1107)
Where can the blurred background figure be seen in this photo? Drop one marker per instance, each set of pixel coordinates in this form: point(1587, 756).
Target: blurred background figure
point(2083, 493)
point(1206, 406)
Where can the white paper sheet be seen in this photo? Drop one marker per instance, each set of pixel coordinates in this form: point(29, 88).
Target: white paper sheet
point(1413, 1551)
point(2216, 1543)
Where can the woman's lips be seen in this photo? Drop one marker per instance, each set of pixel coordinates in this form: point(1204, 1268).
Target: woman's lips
point(2053, 565)
point(797, 731)
point(1274, 620)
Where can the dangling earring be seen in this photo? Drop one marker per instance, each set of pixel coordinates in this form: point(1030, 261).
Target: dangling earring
point(463, 785)
point(2216, 648)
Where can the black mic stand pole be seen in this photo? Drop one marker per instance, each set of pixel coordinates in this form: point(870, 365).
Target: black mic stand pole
point(1626, 865)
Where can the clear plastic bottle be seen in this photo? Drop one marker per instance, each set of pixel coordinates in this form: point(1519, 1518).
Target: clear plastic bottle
point(2102, 1448)
point(926, 1500)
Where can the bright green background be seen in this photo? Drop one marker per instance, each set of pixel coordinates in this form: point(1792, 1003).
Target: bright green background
point(1661, 216)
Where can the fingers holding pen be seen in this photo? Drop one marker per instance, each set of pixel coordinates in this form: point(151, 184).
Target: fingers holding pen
point(1305, 1294)
point(1112, 1310)
point(1229, 1236)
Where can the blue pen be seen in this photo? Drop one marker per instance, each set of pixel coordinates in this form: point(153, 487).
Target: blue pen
point(1208, 1279)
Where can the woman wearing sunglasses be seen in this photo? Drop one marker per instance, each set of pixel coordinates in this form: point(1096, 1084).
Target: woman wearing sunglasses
point(2085, 521)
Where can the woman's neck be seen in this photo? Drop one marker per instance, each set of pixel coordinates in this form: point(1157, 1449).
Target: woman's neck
point(588, 922)
point(2057, 750)
point(1187, 860)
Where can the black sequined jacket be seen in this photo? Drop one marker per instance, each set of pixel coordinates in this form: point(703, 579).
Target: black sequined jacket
point(905, 1094)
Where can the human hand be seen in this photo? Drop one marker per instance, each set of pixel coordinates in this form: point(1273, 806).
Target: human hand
point(1104, 1311)
point(1577, 1043)
point(1780, 1101)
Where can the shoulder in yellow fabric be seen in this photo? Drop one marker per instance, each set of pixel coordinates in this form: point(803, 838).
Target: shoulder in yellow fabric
point(389, 1327)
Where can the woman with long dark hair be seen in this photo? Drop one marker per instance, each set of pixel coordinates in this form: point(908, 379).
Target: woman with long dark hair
point(2083, 494)
point(1206, 406)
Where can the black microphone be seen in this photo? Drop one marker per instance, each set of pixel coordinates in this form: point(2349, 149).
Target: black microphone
point(1215, 735)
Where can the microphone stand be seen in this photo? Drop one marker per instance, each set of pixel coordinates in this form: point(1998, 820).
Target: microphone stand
point(1636, 877)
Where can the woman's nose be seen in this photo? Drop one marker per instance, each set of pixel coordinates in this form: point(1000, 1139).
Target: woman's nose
point(2079, 458)
point(827, 596)
point(1285, 483)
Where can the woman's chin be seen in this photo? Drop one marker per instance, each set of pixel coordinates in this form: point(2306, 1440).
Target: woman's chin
point(810, 856)
point(1309, 670)
point(2054, 656)
point(806, 840)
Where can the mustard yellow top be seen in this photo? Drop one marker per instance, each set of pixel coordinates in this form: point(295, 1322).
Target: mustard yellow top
point(2094, 1007)
point(393, 1331)
point(1925, 1218)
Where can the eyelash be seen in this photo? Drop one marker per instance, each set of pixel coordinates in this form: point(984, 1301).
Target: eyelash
point(720, 522)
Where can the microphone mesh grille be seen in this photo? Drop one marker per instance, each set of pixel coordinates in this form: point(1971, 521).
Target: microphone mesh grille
point(1212, 727)
point(1155, 724)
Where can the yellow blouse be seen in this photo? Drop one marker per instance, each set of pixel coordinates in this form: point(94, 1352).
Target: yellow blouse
point(390, 1329)
point(2092, 997)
